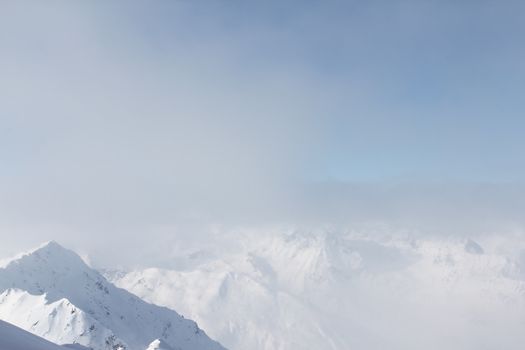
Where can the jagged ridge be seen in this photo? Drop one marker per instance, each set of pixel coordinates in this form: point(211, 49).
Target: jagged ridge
point(74, 303)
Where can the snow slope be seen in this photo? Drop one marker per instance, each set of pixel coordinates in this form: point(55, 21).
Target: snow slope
point(158, 344)
point(327, 291)
point(52, 293)
point(14, 338)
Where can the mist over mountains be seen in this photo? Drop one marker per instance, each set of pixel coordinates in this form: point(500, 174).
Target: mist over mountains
point(262, 175)
point(284, 290)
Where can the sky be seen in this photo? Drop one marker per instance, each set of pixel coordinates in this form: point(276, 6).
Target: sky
point(136, 123)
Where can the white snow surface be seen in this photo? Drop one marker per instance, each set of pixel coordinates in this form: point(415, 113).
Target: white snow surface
point(14, 338)
point(347, 291)
point(52, 293)
point(158, 344)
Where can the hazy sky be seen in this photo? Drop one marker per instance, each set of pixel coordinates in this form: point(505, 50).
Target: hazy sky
point(154, 119)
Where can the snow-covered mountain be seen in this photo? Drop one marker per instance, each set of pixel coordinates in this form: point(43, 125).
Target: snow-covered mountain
point(52, 293)
point(14, 338)
point(327, 291)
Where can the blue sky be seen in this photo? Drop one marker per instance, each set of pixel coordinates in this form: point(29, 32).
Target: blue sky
point(133, 115)
point(422, 90)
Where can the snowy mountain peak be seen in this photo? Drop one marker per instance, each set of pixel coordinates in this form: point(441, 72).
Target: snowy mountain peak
point(50, 253)
point(52, 244)
point(50, 269)
point(55, 251)
point(51, 292)
point(49, 246)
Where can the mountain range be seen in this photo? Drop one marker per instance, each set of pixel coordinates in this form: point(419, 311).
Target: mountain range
point(324, 290)
point(52, 293)
point(278, 291)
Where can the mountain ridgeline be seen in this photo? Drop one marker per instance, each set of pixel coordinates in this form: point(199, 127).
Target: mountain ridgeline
point(52, 293)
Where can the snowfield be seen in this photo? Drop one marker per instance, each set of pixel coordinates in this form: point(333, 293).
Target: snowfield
point(14, 338)
point(52, 293)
